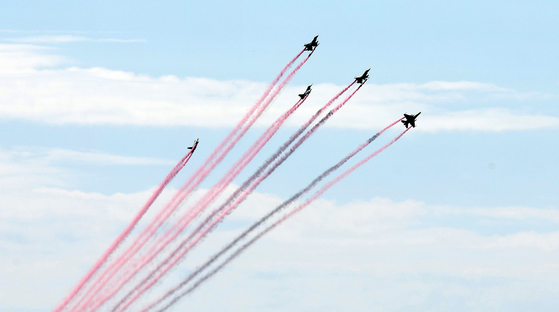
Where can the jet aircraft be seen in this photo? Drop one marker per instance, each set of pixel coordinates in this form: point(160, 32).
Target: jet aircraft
point(312, 45)
point(306, 93)
point(193, 147)
point(410, 120)
point(363, 78)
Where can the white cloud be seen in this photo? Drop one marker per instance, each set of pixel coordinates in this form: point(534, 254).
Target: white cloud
point(20, 59)
point(491, 119)
point(69, 38)
point(42, 157)
point(103, 96)
point(101, 158)
point(376, 105)
point(50, 236)
point(515, 213)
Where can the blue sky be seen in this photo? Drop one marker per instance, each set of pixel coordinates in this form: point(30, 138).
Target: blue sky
point(98, 100)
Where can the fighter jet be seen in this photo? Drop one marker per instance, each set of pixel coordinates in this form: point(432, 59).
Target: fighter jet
point(363, 78)
point(193, 147)
point(312, 45)
point(410, 120)
point(306, 93)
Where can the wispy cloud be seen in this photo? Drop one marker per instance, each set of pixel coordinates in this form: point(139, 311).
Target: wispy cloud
point(48, 157)
point(62, 155)
point(68, 39)
point(103, 96)
point(503, 213)
point(23, 58)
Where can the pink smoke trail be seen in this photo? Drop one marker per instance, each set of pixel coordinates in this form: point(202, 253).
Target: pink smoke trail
point(177, 254)
point(280, 150)
point(231, 174)
point(200, 174)
point(248, 155)
point(274, 225)
point(214, 191)
point(127, 230)
point(269, 215)
point(231, 134)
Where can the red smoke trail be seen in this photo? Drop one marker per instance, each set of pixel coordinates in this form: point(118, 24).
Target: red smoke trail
point(129, 229)
point(200, 174)
point(214, 191)
point(282, 149)
point(227, 139)
point(177, 254)
point(227, 178)
point(248, 156)
point(269, 215)
point(237, 167)
point(268, 229)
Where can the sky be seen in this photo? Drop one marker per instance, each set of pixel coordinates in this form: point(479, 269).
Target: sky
point(99, 100)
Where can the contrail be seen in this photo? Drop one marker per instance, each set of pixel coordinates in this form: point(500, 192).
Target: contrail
point(127, 230)
point(214, 191)
point(227, 178)
point(237, 167)
point(244, 160)
point(280, 150)
point(200, 174)
point(177, 254)
point(275, 224)
point(269, 215)
point(283, 148)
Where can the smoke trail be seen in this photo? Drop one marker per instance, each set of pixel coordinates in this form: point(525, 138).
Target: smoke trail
point(177, 254)
point(227, 178)
point(275, 224)
point(200, 174)
point(270, 214)
point(214, 191)
point(128, 229)
point(280, 150)
point(214, 154)
point(247, 157)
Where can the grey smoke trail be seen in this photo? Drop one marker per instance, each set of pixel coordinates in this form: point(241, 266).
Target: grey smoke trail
point(198, 208)
point(181, 250)
point(261, 221)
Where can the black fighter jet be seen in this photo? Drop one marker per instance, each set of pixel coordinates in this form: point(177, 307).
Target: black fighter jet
point(312, 45)
point(410, 120)
point(363, 78)
point(306, 93)
point(193, 147)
